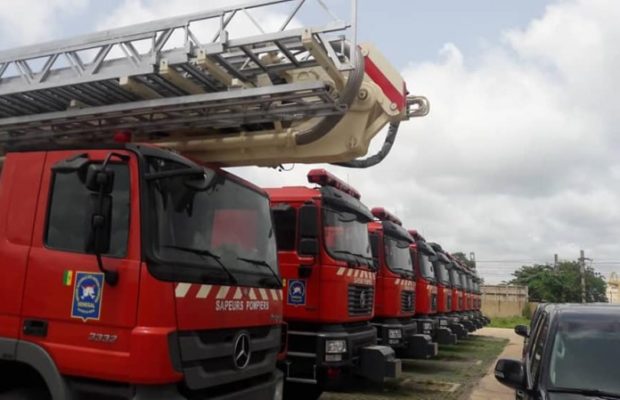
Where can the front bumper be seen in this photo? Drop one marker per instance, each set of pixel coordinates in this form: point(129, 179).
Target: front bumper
point(443, 333)
point(308, 362)
point(269, 389)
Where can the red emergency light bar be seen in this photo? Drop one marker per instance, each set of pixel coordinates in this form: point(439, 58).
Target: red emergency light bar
point(416, 235)
point(384, 215)
point(324, 178)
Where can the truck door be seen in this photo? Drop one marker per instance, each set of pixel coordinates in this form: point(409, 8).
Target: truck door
point(84, 323)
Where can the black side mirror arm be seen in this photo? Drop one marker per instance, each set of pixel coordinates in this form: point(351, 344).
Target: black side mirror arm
point(98, 222)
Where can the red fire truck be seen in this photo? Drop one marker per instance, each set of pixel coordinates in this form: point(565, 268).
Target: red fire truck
point(131, 266)
point(429, 322)
point(442, 266)
point(395, 299)
point(329, 274)
point(459, 294)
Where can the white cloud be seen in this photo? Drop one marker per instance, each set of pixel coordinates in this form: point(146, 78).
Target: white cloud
point(31, 21)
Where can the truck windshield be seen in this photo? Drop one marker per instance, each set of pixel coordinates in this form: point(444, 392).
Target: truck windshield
point(464, 282)
point(455, 279)
point(397, 255)
point(426, 267)
point(441, 273)
point(346, 235)
point(585, 354)
point(218, 230)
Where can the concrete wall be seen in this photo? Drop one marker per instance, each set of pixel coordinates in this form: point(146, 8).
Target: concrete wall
point(503, 300)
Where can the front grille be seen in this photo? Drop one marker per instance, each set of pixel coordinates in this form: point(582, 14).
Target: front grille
point(207, 358)
point(361, 299)
point(449, 303)
point(407, 301)
point(434, 301)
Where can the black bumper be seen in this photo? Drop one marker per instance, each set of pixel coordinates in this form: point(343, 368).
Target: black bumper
point(268, 389)
point(307, 360)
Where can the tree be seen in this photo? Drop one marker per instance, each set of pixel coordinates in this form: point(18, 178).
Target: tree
point(561, 284)
point(462, 257)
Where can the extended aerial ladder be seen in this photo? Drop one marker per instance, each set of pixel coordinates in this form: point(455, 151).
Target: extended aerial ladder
point(203, 85)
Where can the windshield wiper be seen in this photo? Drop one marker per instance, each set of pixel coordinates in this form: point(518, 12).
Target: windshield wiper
point(206, 253)
point(263, 264)
point(587, 392)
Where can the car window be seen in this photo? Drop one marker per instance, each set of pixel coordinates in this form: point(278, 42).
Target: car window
point(537, 347)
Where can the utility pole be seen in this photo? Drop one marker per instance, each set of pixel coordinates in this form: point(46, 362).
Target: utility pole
point(582, 270)
point(555, 262)
point(472, 258)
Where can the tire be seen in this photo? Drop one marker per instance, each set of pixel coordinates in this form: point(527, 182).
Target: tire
point(301, 391)
point(25, 394)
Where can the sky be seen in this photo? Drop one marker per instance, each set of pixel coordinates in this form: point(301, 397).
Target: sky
point(517, 160)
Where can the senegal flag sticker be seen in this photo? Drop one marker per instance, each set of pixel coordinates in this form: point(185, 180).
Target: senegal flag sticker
point(67, 278)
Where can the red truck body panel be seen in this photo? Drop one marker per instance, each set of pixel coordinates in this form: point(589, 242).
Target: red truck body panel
point(425, 290)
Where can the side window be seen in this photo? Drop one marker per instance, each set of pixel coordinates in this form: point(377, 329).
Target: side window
point(537, 347)
point(285, 223)
point(68, 223)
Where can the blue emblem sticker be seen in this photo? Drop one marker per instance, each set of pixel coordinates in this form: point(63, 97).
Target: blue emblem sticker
point(87, 295)
point(296, 292)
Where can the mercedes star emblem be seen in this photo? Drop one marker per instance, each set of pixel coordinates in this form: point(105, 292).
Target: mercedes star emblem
point(363, 299)
point(242, 351)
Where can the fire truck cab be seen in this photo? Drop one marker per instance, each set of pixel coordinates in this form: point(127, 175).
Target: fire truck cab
point(427, 292)
point(329, 278)
point(396, 288)
point(459, 295)
point(130, 270)
point(442, 266)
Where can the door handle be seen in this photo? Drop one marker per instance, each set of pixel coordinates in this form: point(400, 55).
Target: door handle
point(35, 327)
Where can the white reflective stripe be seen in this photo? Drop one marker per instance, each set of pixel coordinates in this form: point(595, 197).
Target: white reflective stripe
point(274, 294)
point(397, 281)
point(340, 271)
point(349, 272)
point(221, 294)
point(281, 294)
point(238, 295)
point(357, 273)
point(182, 289)
point(263, 294)
point(252, 294)
point(203, 292)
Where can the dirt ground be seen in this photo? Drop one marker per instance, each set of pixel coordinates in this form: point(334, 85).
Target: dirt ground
point(452, 375)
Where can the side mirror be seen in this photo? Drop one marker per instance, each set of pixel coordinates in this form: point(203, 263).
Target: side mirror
point(308, 230)
point(308, 221)
point(511, 373)
point(99, 179)
point(100, 224)
point(308, 247)
point(522, 330)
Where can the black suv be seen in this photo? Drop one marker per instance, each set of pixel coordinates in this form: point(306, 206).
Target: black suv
point(572, 353)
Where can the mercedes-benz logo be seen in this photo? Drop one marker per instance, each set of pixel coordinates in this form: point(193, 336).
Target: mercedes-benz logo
point(242, 351)
point(409, 300)
point(363, 299)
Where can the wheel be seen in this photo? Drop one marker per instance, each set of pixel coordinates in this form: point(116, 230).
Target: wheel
point(301, 391)
point(25, 394)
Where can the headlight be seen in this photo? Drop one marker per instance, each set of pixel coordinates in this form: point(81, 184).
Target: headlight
point(395, 333)
point(335, 346)
point(279, 392)
point(443, 322)
point(427, 326)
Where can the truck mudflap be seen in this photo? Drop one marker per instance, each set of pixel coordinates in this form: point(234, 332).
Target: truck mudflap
point(419, 346)
point(268, 390)
point(378, 364)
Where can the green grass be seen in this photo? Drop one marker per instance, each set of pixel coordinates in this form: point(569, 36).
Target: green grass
point(458, 367)
point(508, 322)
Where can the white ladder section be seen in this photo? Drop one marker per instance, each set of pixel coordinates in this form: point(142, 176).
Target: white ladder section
point(221, 85)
